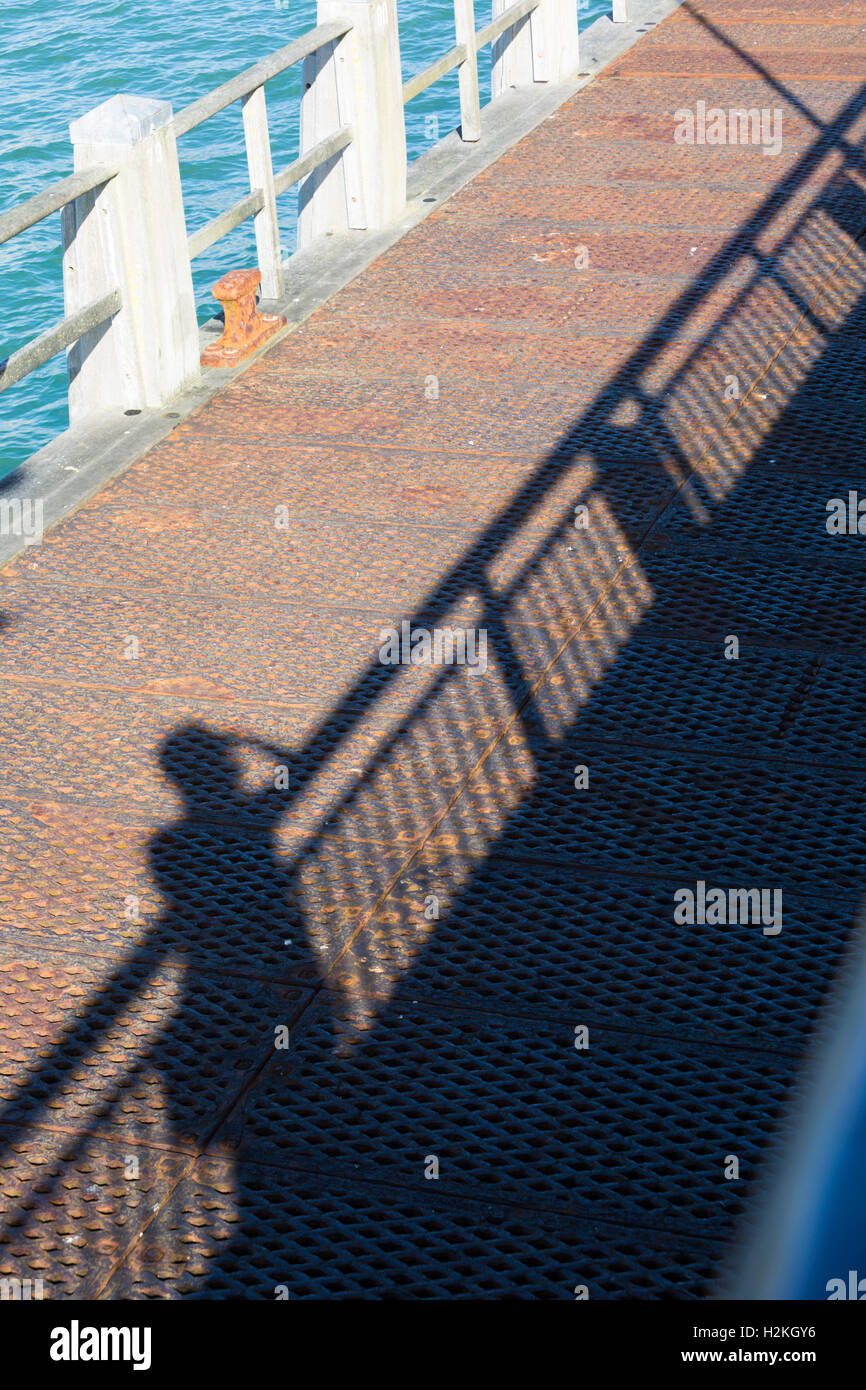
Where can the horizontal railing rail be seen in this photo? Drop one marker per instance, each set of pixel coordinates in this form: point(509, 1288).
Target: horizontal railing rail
point(502, 28)
point(256, 76)
point(435, 72)
point(220, 226)
point(507, 20)
point(249, 87)
point(68, 330)
point(52, 199)
point(54, 340)
point(313, 159)
point(225, 222)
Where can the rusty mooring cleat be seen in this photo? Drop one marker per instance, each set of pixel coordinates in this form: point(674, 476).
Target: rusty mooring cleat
point(245, 328)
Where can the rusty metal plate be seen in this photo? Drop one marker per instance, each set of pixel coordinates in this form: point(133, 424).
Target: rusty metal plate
point(212, 649)
point(623, 1130)
point(371, 565)
point(389, 484)
point(149, 548)
point(265, 1233)
point(605, 163)
point(207, 897)
point(780, 29)
point(470, 358)
point(845, 63)
point(772, 12)
point(517, 936)
point(281, 772)
point(145, 1052)
point(72, 1206)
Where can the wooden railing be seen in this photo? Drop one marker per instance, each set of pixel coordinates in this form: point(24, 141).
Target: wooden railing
point(130, 327)
point(73, 325)
point(265, 186)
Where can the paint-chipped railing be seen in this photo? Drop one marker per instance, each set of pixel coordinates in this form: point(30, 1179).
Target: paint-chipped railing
point(130, 327)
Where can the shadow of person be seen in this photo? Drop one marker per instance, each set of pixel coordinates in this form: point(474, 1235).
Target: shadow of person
point(231, 930)
point(217, 867)
point(186, 1019)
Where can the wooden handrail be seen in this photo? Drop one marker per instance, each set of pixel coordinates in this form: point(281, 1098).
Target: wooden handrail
point(61, 335)
point(256, 76)
point(50, 200)
point(504, 21)
point(248, 88)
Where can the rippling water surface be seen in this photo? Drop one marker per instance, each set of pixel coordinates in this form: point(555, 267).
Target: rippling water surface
point(60, 58)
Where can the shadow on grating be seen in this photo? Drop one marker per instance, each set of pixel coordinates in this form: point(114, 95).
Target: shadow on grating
point(792, 599)
point(313, 1236)
point(631, 1128)
point(676, 814)
point(521, 938)
point(71, 1208)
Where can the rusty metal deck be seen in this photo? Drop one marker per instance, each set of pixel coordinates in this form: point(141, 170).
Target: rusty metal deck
point(431, 907)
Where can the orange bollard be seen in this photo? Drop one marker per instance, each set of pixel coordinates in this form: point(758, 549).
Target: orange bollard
point(245, 328)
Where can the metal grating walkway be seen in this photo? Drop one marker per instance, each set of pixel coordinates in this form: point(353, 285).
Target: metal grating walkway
point(431, 907)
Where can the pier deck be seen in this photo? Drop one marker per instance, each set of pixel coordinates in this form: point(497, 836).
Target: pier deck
point(593, 407)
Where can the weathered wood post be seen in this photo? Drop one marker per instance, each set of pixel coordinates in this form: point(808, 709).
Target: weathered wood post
point(541, 48)
point(470, 100)
point(261, 171)
point(130, 235)
point(355, 82)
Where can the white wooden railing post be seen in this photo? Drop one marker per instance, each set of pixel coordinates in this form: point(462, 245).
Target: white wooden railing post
point(261, 170)
point(543, 48)
point(130, 235)
point(620, 11)
point(355, 82)
point(470, 100)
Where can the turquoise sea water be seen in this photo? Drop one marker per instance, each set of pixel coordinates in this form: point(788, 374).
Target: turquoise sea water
point(60, 58)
